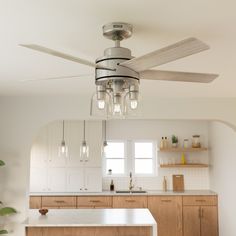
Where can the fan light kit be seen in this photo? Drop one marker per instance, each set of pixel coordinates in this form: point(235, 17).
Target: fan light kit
point(118, 73)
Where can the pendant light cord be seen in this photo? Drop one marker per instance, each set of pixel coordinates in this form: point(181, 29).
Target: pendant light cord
point(84, 130)
point(105, 129)
point(63, 130)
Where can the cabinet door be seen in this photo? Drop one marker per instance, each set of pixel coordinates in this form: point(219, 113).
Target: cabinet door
point(75, 179)
point(35, 202)
point(94, 202)
point(168, 213)
point(34, 231)
point(209, 221)
point(38, 179)
point(94, 140)
point(93, 179)
point(54, 140)
point(73, 138)
point(56, 179)
point(130, 202)
point(191, 220)
point(52, 202)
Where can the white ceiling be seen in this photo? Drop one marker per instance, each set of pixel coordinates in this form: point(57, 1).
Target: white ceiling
point(74, 27)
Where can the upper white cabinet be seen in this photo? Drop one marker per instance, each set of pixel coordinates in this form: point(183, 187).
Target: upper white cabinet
point(53, 173)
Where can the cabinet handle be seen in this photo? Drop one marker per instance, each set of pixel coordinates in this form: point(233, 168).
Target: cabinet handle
point(202, 213)
point(59, 201)
point(86, 160)
point(129, 200)
point(200, 200)
point(199, 212)
point(95, 201)
point(81, 160)
point(80, 189)
point(85, 189)
point(166, 200)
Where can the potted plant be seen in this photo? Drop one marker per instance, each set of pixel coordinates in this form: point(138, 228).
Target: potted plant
point(174, 140)
point(4, 211)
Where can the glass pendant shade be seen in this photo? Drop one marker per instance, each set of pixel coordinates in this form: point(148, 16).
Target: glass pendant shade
point(63, 148)
point(84, 148)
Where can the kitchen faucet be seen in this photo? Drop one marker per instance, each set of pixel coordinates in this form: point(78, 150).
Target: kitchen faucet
point(131, 185)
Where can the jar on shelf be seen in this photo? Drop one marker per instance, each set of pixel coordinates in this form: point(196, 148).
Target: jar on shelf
point(185, 143)
point(196, 141)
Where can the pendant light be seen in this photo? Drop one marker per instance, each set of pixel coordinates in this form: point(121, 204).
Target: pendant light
point(84, 148)
point(104, 144)
point(63, 149)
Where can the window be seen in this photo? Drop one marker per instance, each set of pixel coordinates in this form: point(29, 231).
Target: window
point(124, 156)
point(144, 158)
point(114, 156)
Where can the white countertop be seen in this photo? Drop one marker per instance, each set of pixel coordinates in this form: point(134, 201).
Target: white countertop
point(90, 218)
point(113, 193)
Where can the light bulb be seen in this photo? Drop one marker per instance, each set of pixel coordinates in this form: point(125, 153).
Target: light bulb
point(63, 149)
point(101, 104)
point(133, 104)
point(117, 108)
point(84, 149)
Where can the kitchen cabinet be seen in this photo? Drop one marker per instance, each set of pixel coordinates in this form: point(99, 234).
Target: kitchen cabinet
point(200, 217)
point(62, 202)
point(89, 231)
point(35, 202)
point(53, 173)
point(94, 202)
point(167, 211)
point(130, 202)
point(84, 180)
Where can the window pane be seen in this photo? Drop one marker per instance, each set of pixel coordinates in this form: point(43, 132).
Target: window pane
point(143, 150)
point(117, 166)
point(143, 166)
point(115, 150)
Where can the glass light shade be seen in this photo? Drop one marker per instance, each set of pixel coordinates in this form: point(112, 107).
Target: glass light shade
point(118, 106)
point(132, 104)
point(104, 148)
point(100, 107)
point(63, 149)
point(84, 150)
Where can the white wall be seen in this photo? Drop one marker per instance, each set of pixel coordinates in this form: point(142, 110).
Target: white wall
point(154, 129)
point(22, 117)
point(223, 174)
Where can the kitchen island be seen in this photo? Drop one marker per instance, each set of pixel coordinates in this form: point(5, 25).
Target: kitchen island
point(91, 222)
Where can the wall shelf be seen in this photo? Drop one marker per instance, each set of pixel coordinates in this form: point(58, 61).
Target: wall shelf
point(184, 165)
point(179, 149)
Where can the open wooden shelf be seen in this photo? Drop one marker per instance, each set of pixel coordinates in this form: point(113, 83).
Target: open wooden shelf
point(184, 165)
point(179, 149)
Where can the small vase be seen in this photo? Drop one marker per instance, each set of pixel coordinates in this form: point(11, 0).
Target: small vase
point(174, 145)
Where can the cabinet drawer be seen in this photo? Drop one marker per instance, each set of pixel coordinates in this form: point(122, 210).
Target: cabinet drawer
point(199, 200)
point(130, 202)
point(59, 202)
point(35, 202)
point(94, 202)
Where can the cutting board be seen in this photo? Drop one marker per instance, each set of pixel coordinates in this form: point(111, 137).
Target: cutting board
point(178, 183)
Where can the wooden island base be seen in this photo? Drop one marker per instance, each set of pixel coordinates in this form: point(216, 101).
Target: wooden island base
point(89, 231)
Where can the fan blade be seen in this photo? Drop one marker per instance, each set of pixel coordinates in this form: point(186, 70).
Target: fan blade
point(170, 53)
point(57, 78)
point(177, 76)
point(58, 54)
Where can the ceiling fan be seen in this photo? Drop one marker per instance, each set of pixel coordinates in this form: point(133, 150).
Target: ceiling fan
point(117, 73)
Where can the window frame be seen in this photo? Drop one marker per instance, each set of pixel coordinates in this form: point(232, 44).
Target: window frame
point(105, 174)
point(129, 158)
point(154, 157)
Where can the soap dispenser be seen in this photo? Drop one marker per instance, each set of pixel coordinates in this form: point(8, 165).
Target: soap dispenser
point(112, 186)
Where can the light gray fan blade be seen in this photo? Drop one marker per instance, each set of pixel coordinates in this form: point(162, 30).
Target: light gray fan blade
point(58, 54)
point(58, 78)
point(177, 76)
point(170, 53)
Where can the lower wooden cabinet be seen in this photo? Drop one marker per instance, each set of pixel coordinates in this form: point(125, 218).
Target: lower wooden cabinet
point(52, 202)
point(167, 211)
point(94, 202)
point(35, 202)
point(130, 202)
point(89, 231)
point(200, 216)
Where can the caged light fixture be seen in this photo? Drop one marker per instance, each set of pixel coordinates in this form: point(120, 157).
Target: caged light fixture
point(63, 148)
point(84, 148)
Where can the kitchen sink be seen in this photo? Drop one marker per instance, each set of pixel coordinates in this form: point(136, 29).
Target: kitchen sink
point(131, 191)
